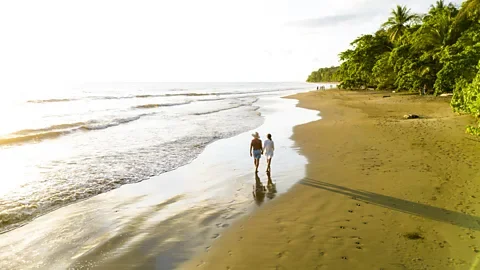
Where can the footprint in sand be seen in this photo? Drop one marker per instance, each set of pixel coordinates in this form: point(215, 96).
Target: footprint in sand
point(350, 211)
point(344, 258)
point(342, 227)
point(358, 204)
point(280, 254)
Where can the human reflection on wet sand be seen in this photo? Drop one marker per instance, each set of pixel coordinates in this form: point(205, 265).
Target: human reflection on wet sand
point(260, 191)
point(271, 187)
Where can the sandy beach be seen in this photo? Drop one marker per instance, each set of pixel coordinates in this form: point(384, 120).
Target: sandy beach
point(380, 192)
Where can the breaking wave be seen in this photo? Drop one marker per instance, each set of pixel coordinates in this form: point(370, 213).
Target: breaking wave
point(151, 106)
point(177, 94)
point(34, 135)
point(50, 100)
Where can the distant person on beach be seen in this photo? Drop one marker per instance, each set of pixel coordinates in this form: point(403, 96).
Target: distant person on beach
point(256, 146)
point(268, 148)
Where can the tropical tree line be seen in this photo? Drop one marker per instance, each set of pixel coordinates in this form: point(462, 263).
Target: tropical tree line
point(439, 51)
point(329, 74)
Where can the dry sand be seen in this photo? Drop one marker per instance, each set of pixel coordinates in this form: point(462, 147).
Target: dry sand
point(381, 192)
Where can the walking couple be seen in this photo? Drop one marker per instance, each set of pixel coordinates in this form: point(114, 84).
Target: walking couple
point(257, 150)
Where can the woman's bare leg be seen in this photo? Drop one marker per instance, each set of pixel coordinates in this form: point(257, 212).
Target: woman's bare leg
point(268, 164)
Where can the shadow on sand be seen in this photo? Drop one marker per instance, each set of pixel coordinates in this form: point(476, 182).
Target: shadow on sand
point(418, 209)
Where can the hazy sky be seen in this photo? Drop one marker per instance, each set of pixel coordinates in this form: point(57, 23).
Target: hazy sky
point(73, 42)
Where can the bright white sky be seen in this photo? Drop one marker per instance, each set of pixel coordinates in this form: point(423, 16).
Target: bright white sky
point(62, 43)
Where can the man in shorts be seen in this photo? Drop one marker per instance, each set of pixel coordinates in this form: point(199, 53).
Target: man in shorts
point(256, 150)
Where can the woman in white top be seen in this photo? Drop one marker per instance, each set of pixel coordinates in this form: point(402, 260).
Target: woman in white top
point(268, 149)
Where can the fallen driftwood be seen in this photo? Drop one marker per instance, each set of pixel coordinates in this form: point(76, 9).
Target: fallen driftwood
point(446, 95)
point(385, 96)
point(411, 116)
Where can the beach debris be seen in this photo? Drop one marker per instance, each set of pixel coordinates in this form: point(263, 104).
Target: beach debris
point(446, 95)
point(386, 96)
point(411, 116)
point(413, 236)
point(394, 92)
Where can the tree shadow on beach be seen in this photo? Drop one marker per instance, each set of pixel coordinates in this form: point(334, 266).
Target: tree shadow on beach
point(418, 209)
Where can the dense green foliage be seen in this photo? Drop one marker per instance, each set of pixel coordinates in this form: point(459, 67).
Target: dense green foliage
point(324, 75)
point(439, 50)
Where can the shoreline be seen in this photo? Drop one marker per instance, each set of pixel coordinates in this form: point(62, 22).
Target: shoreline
point(376, 184)
point(161, 222)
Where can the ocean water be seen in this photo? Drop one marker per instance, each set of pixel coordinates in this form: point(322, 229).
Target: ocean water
point(59, 148)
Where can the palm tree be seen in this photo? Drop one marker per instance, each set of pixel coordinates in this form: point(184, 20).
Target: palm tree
point(431, 40)
point(439, 5)
point(468, 14)
point(400, 20)
point(469, 8)
point(435, 37)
